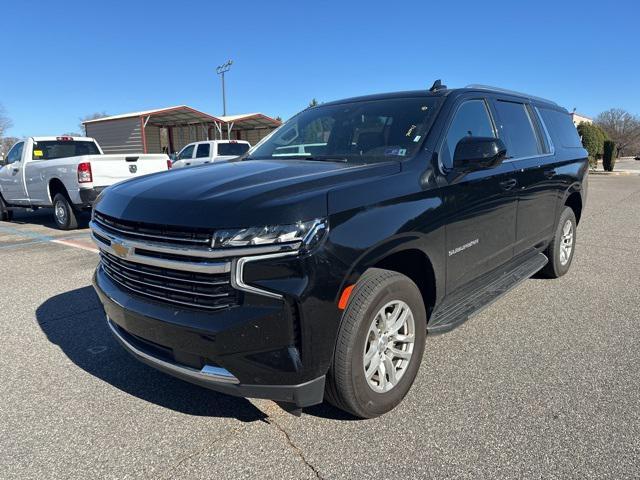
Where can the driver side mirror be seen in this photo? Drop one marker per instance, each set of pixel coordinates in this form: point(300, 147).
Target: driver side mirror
point(478, 153)
point(3, 162)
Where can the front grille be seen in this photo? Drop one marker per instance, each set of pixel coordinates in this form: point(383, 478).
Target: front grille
point(156, 233)
point(180, 287)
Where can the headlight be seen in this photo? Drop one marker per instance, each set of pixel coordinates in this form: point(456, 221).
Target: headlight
point(307, 232)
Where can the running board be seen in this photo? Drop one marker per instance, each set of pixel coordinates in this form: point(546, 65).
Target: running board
point(483, 292)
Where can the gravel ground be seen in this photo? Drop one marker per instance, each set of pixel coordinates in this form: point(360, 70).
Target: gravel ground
point(542, 384)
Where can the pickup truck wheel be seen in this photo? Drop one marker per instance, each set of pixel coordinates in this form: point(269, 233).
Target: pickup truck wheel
point(560, 250)
point(380, 345)
point(63, 213)
point(6, 215)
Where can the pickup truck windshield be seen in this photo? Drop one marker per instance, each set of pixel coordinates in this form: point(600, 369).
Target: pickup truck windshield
point(235, 149)
point(52, 149)
point(366, 131)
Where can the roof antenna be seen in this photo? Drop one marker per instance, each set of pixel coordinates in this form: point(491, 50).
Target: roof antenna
point(437, 85)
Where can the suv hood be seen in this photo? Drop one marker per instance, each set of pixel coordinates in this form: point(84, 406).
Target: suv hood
point(235, 194)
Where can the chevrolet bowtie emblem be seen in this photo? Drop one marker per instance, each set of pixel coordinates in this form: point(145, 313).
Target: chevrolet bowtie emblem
point(120, 248)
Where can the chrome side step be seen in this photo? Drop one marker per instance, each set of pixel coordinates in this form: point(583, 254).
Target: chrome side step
point(483, 292)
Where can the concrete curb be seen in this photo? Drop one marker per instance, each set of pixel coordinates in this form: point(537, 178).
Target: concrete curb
point(614, 173)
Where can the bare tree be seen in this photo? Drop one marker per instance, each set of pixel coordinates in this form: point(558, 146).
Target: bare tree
point(6, 143)
point(5, 124)
point(622, 127)
point(91, 116)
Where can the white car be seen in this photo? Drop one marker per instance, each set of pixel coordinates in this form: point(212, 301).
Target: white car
point(66, 173)
point(199, 153)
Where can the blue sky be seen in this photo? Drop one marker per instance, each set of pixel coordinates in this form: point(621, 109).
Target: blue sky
point(63, 60)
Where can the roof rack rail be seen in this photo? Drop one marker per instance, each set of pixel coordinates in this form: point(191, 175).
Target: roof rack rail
point(509, 92)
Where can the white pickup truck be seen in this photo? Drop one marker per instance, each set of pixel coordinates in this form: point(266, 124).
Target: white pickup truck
point(66, 173)
point(210, 151)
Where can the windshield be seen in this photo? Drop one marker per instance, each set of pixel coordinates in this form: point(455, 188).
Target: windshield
point(369, 131)
point(235, 149)
point(52, 149)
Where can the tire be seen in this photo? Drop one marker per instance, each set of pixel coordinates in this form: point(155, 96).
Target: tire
point(559, 258)
point(6, 215)
point(63, 213)
point(347, 385)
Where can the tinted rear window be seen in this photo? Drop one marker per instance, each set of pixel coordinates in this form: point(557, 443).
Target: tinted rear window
point(518, 127)
point(561, 128)
point(52, 149)
point(235, 149)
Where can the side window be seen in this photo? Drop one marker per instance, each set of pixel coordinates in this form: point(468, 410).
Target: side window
point(470, 120)
point(186, 152)
point(15, 154)
point(203, 150)
point(518, 128)
point(561, 128)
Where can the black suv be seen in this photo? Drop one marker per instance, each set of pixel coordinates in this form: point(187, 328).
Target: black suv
point(313, 267)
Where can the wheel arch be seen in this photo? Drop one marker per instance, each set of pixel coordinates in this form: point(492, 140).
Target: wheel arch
point(55, 186)
point(573, 200)
point(409, 259)
point(416, 265)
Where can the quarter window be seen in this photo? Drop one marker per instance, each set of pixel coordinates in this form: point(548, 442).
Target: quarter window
point(471, 120)
point(518, 129)
point(561, 128)
point(203, 150)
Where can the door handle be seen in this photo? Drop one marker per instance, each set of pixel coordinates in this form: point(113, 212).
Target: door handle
point(550, 173)
point(16, 170)
point(509, 184)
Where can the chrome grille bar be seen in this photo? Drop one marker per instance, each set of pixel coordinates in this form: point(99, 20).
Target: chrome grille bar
point(110, 225)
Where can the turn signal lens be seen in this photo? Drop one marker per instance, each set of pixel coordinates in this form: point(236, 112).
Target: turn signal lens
point(169, 165)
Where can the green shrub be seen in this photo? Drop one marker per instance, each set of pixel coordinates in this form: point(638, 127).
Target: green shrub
point(609, 155)
point(593, 138)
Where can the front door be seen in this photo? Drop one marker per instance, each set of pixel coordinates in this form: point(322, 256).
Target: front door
point(11, 177)
point(481, 234)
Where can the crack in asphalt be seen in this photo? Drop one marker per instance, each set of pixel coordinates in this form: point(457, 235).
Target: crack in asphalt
point(166, 473)
point(298, 451)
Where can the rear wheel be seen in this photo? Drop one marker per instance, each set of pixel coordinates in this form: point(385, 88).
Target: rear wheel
point(63, 213)
point(6, 215)
point(561, 249)
point(380, 345)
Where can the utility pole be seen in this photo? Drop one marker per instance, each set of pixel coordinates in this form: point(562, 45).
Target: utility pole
point(221, 70)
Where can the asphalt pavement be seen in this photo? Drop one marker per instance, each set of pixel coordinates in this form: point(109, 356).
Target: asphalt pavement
point(545, 383)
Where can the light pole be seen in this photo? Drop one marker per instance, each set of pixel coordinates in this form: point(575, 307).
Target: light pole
point(221, 71)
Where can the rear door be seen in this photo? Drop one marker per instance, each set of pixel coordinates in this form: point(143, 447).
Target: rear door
point(531, 156)
point(481, 235)
point(12, 176)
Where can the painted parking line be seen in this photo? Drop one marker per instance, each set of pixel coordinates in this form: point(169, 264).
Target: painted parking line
point(75, 241)
point(81, 244)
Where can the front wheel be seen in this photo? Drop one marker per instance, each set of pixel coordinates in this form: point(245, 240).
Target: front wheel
point(561, 249)
point(63, 213)
point(380, 345)
point(6, 215)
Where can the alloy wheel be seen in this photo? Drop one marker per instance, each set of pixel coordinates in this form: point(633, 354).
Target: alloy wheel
point(389, 346)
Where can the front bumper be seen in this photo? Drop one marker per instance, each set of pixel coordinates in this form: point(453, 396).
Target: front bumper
point(245, 351)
